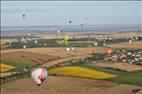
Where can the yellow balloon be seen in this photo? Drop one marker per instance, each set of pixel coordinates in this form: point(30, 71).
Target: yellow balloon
point(66, 38)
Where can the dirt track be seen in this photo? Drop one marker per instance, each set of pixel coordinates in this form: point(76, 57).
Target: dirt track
point(67, 85)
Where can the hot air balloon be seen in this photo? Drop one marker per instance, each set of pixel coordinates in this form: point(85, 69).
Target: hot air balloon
point(109, 52)
point(130, 41)
point(66, 38)
point(58, 31)
point(70, 22)
point(136, 38)
point(35, 41)
point(72, 48)
point(39, 75)
point(96, 44)
point(29, 34)
point(67, 49)
point(24, 46)
point(23, 16)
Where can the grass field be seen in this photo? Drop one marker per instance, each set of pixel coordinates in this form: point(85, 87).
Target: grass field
point(17, 63)
point(81, 72)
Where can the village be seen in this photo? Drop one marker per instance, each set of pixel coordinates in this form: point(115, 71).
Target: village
point(126, 56)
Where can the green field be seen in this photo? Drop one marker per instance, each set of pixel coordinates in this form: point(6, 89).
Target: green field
point(18, 63)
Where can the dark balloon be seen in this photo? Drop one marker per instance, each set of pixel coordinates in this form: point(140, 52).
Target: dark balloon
point(81, 24)
point(23, 15)
point(70, 21)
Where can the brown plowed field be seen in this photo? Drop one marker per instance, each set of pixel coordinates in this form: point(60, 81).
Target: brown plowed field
point(134, 45)
point(67, 85)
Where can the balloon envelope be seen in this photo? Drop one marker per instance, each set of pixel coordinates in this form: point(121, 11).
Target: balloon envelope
point(23, 16)
point(66, 38)
point(109, 52)
point(24, 46)
point(70, 21)
point(130, 41)
point(39, 75)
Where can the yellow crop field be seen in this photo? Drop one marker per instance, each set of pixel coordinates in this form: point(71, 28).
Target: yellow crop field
point(81, 72)
point(4, 67)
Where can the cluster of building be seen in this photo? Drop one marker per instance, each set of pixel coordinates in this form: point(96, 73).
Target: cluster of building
point(126, 56)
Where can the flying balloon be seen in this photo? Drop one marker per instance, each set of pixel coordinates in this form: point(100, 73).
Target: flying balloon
point(66, 38)
point(70, 21)
point(58, 31)
point(39, 75)
point(23, 15)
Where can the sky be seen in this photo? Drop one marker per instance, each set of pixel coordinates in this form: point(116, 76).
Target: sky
point(61, 12)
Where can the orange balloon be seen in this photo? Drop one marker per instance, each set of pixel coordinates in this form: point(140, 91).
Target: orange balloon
point(109, 52)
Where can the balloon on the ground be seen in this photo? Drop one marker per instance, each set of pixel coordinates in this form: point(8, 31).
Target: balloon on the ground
point(58, 31)
point(72, 48)
point(35, 41)
point(24, 46)
point(39, 75)
point(109, 52)
point(136, 38)
point(130, 41)
point(104, 44)
point(68, 49)
point(29, 34)
point(96, 44)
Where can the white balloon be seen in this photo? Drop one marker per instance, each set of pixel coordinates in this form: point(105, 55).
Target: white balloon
point(39, 75)
point(58, 31)
point(110, 38)
point(72, 48)
point(104, 44)
point(35, 41)
point(100, 36)
point(68, 49)
point(29, 34)
point(136, 38)
point(96, 44)
point(24, 46)
point(130, 41)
